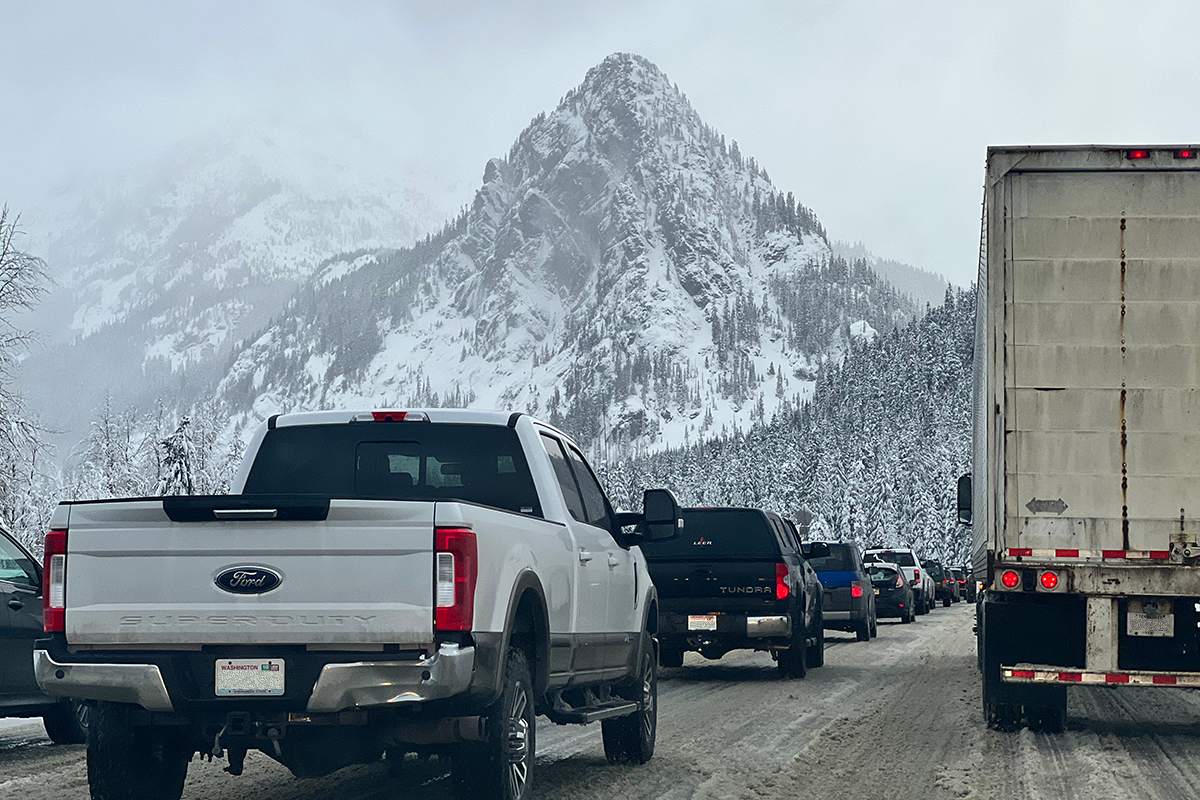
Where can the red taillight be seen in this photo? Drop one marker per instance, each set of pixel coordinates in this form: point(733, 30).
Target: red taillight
point(1049, 580)
point(916, 576)
point(899, 582)
point(856, 588)
point(962, 582)
point(1010, 579)
point(456, 567)
point(1186, 152)
point(782, 590)
point(1135, 155)
point(54, 589)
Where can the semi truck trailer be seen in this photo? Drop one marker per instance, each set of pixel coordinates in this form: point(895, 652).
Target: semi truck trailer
point(1084, 496)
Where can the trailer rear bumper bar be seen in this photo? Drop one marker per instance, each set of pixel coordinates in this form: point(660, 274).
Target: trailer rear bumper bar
point(1067, 676)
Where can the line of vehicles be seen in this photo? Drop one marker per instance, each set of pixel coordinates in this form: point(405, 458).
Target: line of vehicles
point(400, 584)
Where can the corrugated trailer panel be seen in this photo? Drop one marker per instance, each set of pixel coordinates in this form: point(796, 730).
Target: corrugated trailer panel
point(1101, 356)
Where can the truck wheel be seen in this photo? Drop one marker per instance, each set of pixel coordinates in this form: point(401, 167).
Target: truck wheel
point(631, 739)
point(502, 767)
point(67, 722)
point(793, 662)
point(863, 630)
point(125, 762)
point(816, 653)
point(670, 657)
point(1051, 715)
point(874, 625)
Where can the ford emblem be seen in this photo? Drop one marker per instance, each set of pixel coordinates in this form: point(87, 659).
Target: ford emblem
point(248, 580)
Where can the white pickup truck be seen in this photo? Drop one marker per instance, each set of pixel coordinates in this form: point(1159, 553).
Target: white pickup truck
point(379, 584)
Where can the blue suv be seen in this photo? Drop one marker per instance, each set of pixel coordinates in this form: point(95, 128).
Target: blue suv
point(849, 602)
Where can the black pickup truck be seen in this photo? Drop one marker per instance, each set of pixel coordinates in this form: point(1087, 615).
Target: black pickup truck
point(737, 579)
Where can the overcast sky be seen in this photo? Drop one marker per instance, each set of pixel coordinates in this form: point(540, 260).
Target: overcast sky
point(876, 114)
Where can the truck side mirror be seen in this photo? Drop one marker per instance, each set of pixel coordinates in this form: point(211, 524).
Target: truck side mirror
point(663, 519)
point(964, 499)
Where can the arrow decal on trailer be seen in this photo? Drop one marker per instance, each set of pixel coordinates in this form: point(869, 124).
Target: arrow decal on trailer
point(1036, 506)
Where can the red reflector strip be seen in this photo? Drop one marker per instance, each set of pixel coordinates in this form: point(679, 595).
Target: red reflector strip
point(1020, 551)
point(1112, 554)
point(1116, 679)
point(1066, 553)
point(1160, 554)
point(1070, 677)
point(1165, 680)
point(1022, 673)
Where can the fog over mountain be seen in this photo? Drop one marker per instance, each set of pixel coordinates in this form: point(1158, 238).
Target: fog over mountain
point(624, 271)
point(922, 285)
point(160, 271)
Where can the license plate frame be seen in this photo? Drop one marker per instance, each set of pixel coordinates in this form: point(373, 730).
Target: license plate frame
point(249, 677)
point(1159, 623)
point(702, 622)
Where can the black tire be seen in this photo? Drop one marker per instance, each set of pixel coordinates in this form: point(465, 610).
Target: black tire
point(906, 615)
point(502, 767)
point(946, 602)
point(874, 624)
point(862, 631)
point(670, 657)
point(793, 662)
point(1050, 714)
point(125, 762)
point(630, 740)
point(816, 653)
point(67, 722)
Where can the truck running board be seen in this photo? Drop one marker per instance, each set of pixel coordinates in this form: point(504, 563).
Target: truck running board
point(588, 714)
point(1066, 676)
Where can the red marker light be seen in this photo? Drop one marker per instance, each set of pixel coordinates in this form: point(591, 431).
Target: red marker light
point(856, 589)
point(1010, 579)
point(1186, 152)
point(1049, 580)
point(1136, 155)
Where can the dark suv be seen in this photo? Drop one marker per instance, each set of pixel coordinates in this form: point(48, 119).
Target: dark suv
point(945, 588)
point(20, 626)
point(736, 578)
point(849, 603)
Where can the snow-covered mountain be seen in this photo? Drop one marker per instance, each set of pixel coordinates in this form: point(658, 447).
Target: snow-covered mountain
point(162, 270)
point(922, 285)
point(623, 271)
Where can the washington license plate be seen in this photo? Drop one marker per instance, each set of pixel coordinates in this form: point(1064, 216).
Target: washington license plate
point(702, 622)
point(249, 677)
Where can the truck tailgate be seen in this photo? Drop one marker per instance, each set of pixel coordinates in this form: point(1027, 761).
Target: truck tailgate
point(361, 575)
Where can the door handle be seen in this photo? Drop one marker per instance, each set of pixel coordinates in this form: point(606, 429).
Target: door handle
point(584, 556)
point(15, 604)
point(612, 561)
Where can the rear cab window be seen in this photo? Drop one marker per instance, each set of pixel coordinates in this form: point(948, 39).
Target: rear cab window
point(427, 461)
point(840, 559)
point(902, 559)
point(722, 534)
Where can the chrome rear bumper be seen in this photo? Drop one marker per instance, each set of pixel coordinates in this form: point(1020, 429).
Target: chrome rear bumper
point(139, 684)
point(361, 684)
point(372, 684)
